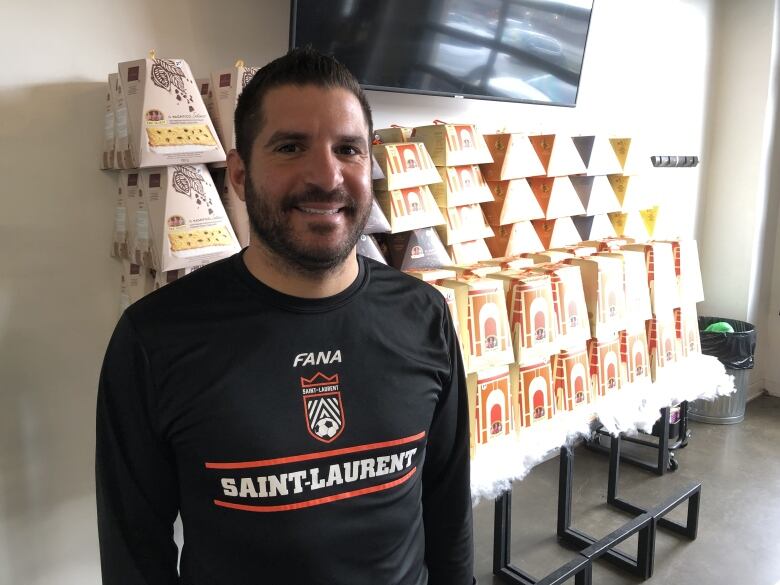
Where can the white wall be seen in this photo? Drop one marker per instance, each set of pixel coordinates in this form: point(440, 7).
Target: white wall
point(646, 74)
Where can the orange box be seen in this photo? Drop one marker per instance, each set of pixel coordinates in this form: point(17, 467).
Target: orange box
point(554, 233)
point(571, 310)
point(461, 185)
point(453, 145)
point(484, 326)
point(686, 325)
point(490, 405)
point(661, 343)
point(515, 239)
point(410, 209)
point(513, 201)
point(533, 386)
point(661, 277)
point(604, 365)
point(514, 157)
point(558, 155)
point(556, 196)
point(531, 314)
point(602, 281)
point(509, 262)
point(634, 358)
point(571, 379)
point(404, 165)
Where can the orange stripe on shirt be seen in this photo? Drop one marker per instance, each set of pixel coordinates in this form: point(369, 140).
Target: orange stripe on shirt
point(319, 455)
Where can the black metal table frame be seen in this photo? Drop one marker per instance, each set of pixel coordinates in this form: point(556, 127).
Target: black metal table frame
point(591, 549)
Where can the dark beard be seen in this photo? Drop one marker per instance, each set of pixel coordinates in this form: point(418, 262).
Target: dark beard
point(269, 225)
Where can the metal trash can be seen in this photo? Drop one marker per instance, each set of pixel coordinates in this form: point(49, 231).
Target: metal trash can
point(735, 351)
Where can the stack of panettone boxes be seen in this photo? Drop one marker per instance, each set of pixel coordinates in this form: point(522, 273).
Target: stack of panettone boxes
point(169, 218)
point(404, 195)
point(514, 204)
point(457, 150)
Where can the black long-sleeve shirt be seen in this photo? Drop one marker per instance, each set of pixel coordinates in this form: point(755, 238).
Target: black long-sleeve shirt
point(311, 441)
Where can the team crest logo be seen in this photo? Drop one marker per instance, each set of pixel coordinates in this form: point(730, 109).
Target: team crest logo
point(322, 402)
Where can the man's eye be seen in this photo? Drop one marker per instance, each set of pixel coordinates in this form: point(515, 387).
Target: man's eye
point(348, 150)
point(289, 148)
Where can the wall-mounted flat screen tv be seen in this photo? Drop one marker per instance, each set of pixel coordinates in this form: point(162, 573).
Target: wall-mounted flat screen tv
point(510, 50)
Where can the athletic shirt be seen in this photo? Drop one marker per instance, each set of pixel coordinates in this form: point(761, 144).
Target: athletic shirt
point(303, 441)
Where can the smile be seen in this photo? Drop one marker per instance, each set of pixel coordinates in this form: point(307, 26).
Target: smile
point(319, 211)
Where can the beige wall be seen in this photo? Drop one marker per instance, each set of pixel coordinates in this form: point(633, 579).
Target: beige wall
point(646, 74)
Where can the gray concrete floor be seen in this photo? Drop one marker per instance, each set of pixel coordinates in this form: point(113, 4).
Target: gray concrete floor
point(739, 524)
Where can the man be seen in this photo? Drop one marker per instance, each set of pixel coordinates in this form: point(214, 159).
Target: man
point(304, 409)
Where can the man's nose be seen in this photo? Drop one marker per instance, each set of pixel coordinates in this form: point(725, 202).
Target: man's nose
point(324, 169)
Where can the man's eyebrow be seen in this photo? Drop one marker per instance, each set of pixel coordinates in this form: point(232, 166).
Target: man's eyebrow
point(352, 139)
point(284, 135)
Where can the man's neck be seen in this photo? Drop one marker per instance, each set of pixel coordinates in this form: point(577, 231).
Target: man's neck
point(275, 273)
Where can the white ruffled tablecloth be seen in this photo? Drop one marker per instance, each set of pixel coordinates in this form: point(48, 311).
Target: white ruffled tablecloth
point(632, 408)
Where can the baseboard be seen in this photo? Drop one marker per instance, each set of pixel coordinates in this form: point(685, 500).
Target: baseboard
point(772, 388)
point(755, 389)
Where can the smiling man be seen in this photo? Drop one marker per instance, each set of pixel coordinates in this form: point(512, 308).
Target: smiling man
point(303, 408)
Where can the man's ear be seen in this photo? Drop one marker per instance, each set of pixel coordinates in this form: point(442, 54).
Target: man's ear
point(236, 172)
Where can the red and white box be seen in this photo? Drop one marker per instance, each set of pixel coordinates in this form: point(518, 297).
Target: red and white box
point(533, 386)
point(604, 365)
point(634, 357)
point(571, 310)
point(490, 405)
point(661, 343)
point(602, 281)
point(571, 378)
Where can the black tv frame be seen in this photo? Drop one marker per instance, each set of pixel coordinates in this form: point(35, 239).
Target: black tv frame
point(496, 45)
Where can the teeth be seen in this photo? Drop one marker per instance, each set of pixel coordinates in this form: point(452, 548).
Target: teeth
point(319, 211)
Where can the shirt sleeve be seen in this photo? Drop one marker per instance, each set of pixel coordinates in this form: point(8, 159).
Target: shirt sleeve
point(137, 494)
point(449, 547)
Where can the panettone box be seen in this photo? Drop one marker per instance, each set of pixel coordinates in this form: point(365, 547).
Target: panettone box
point(410, 209)
point(509, 262)
point(433, 275)
point(661, 343)
point(594, 227)
point(595, 193)
point(686, 324)
point(404, 165)
point(452, 305)
point(634, 357)
point(417, 249)
point(630, 155)
point(571, 378)
point(608, 244)
point(687, 270)
point(638, 308)
point(136, 282)
point(631, 224)
point(452, 145)
point(514, 240)
point(167, 119)
point(236, 212)
point(571, 311)
point(549, 256)
point(513, 201)
point(210, 101)
point(478, 270)
point(123, 156)
point(630, 192)
point(558, 155)
point(187, 219)
point(107, 155)
point(490, 405)
point(604, 355)
point(377, 220)
point(393, 134)
point(368, 247)
point(226, 85)
point(531, 314)
point(119, 240)
point(533, 388)
point(556, 233)
point(605, 297)
point(136, 218)
point(514, 157)
point(661, 276)
point(556, 196)
point(580, 250)
point(484, 327)
point(597, 154)
point(470, 252)
point(464, 224)
point(461, 185)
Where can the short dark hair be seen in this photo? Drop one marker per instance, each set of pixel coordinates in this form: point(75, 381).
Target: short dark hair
point(300, 66)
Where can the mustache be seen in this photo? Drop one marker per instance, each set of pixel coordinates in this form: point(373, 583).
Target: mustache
point(317, 195)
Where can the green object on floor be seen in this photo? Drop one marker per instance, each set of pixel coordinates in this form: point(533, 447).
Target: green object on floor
point(720, 327)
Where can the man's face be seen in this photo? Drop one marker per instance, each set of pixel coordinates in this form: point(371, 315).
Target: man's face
point(308, 183)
